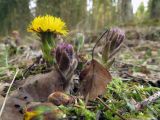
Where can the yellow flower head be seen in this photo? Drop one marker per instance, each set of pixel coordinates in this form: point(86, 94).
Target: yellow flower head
point(48, 23)
point(30, 115)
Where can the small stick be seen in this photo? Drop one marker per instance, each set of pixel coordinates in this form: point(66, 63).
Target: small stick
point(4, 102)
point(152, 98)
point(98, 42)
point(145, 102)
point(100, 100)
point(26, 71)
point(88, 107)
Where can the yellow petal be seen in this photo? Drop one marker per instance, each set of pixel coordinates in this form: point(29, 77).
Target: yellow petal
point(48, 23)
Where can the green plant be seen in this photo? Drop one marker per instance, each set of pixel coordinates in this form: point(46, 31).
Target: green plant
point(48, 27)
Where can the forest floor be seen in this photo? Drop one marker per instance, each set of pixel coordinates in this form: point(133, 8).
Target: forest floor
point(136, 78)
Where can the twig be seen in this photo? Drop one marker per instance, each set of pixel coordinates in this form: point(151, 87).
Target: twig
point(98, 42)
point(37, 61)
point(147, 101)
point(100, 100)
point(27, 70)
point(4, 102)
point(88, 107)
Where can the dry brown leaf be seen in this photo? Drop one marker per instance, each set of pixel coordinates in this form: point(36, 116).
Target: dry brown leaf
point(60, 98)
point(34, 88)
point(14, 107)
point(94, 79)
point(39, 87)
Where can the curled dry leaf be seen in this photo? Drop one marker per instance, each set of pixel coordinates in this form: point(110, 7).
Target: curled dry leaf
point(94, 79)
point(60, 98)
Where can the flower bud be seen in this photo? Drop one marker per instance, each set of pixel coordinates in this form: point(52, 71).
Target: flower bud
point(116, 37)
point(64, 55)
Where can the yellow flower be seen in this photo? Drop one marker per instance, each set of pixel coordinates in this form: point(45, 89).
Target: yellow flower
point(30, 115)
point(48, 24)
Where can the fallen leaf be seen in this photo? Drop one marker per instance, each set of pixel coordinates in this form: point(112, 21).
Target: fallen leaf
point(40, 86)
point(94, 79)
point(60, 98)
point(34, 88)
point(13, 109)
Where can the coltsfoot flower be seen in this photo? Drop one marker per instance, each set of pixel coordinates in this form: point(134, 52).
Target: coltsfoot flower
point(48, 23)
point(48, 27)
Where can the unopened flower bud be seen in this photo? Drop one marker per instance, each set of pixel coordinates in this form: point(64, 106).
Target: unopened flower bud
point(64, 55)
point(116, 37)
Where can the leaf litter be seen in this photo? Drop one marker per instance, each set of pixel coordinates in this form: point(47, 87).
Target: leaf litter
point(136, 84)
